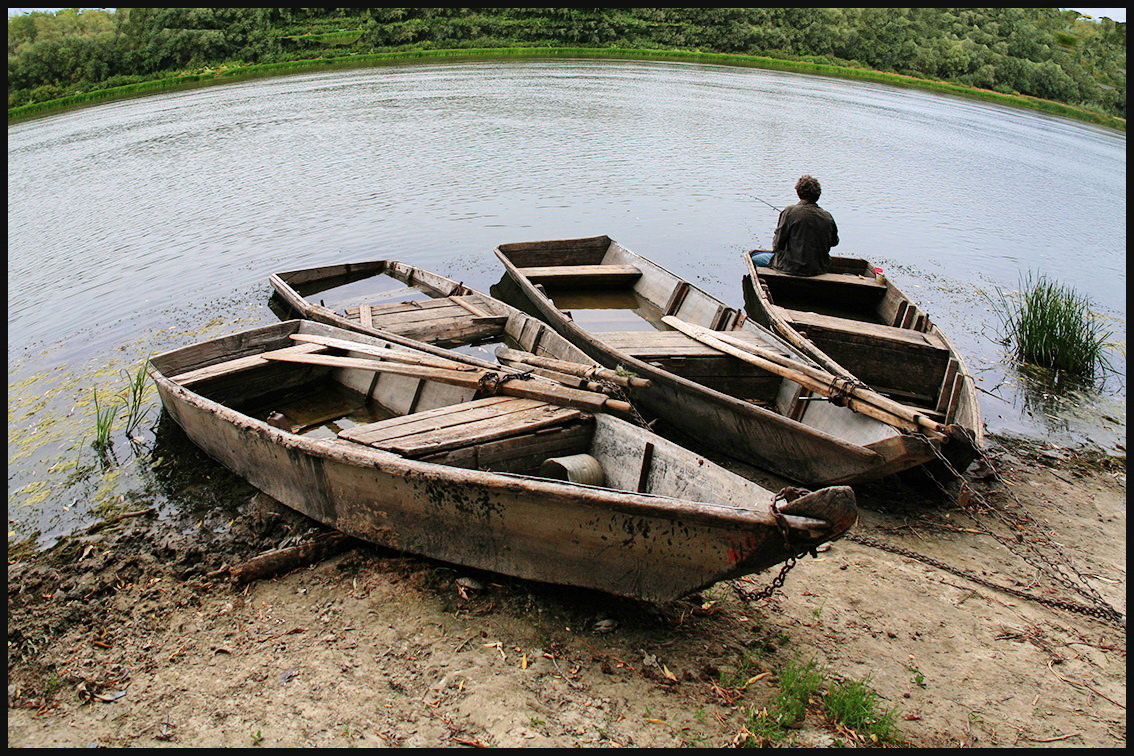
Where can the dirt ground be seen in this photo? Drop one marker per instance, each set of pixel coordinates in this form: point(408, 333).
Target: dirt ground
point(126, 636)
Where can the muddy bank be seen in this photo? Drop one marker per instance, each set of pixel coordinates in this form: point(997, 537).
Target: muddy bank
point(135, 635)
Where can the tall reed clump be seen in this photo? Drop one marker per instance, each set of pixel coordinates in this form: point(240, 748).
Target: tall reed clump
point(1053, 326)
point(130, 401)
point(104, 421)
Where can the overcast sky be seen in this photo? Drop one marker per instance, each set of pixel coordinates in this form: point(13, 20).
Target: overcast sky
point(1115, 14)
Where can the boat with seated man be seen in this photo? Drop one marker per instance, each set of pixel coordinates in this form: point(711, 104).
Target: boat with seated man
point(856, 323)
point(716, 375)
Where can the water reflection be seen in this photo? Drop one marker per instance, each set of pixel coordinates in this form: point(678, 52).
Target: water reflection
point(1058, 399)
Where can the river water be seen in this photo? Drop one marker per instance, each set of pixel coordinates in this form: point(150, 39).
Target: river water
point(140, 226)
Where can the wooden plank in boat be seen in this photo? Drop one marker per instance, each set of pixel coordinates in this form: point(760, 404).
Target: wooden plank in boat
point(848, 292)
point(864, 329)
point(240, 364)
point(832, 279)
point(398, 312)
point(583, 275)
point(671, 344)
point(461, 425)
point(442, 319)
point(462, 329)
point(521, 454)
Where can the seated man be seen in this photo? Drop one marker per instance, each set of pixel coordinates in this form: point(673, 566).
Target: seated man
point(804, 236)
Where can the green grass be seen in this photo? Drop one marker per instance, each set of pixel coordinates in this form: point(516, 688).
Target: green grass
point(134, 396)
point(1051, 325)
point(804, 688)
point(104, 423)
point(854, 704)
point(799, 683)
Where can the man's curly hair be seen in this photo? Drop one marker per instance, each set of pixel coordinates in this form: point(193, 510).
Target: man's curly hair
point(807, 188)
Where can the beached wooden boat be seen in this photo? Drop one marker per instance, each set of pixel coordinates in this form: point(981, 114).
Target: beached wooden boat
point(713, 373)
point(857, 323)
point(404, 449)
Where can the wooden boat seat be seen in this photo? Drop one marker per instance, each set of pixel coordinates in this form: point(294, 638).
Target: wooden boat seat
point(811, 320)
point(834, 279)
point(582, 275)
point(445, 320)
point(646, 345)
point(882, 356)
point(241, 364)
point(858, 293)
point(462, 426)
point(683, 355)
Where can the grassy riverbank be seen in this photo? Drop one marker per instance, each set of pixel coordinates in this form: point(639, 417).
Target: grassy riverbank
point(223, 75)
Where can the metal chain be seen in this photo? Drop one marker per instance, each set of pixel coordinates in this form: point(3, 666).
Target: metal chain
point(1061, 572)
point(615, 391)
point(1101, 612)
point(786, 494)
point(490, 382)
point(769, 590)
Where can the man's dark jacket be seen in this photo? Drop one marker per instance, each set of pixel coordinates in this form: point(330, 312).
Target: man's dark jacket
point(803, 239)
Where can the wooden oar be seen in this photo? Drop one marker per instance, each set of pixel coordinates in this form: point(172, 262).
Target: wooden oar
point(862, 400)
point(413, 357)
point(541, 390)
point(386, 353)
point(571, 368)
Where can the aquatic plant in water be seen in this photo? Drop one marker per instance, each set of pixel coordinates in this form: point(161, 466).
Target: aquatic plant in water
point(133, 397)
point(104, 423)
point(1051, 325)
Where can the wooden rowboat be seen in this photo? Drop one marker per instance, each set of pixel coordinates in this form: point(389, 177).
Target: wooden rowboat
point(858, 324)
point(347, 429)
point(413, 306)
point(714, 374)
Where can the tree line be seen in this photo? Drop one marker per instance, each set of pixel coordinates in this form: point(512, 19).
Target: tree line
point(1047, 53)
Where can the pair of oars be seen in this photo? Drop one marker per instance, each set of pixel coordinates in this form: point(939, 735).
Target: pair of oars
point(434, 368)
point(859, 398)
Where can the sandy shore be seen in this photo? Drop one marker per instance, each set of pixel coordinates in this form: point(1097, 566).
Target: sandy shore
point(128, 637)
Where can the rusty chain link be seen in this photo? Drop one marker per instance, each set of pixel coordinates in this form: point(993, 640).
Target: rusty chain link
point(1100, 612)
point(1062, 573)
point(786, 494)
point(490, 382)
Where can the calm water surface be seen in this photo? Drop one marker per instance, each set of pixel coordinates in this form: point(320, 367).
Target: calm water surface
point(141, 226)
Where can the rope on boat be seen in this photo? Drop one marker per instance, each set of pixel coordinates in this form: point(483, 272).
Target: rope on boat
point(490, 383)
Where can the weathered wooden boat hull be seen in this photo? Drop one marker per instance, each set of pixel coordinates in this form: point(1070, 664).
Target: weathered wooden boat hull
point(811, 442)
point(646, 545)
point(857, 324)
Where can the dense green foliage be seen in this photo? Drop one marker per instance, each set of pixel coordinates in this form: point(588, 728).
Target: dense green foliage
point(1038, 52)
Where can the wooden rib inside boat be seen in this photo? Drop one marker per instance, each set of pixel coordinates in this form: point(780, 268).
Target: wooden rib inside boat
point(473, 475)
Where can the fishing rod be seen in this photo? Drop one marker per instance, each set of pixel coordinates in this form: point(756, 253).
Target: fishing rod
point(769, 204)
